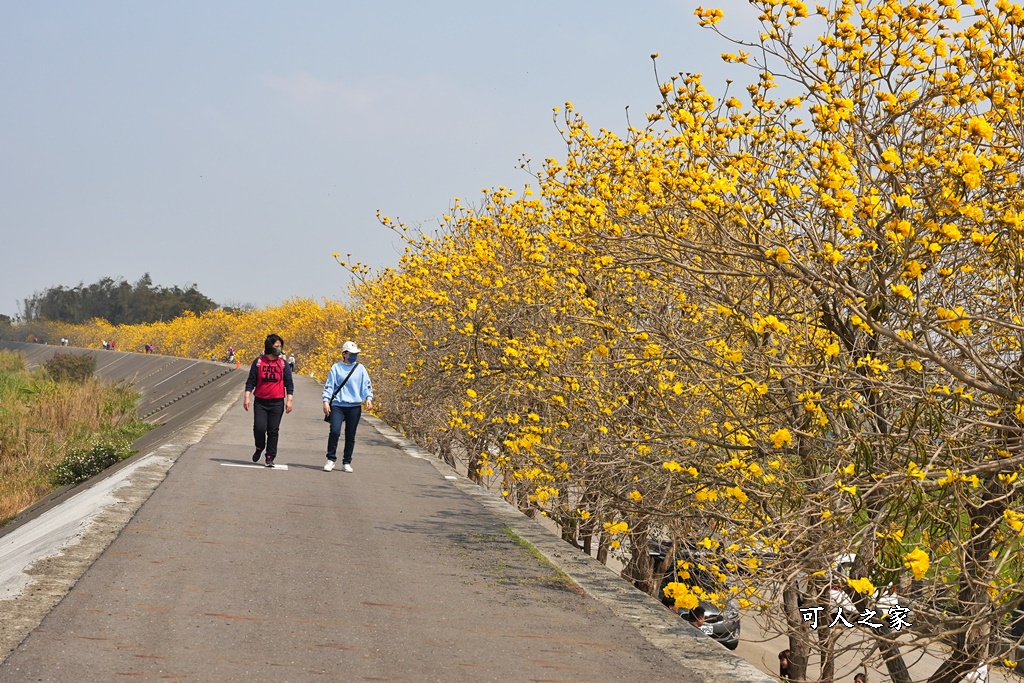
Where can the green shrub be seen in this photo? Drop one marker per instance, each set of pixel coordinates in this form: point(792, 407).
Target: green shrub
point(83, 462)
point(71, 367)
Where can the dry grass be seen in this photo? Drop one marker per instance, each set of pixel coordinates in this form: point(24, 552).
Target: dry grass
point(41, 420)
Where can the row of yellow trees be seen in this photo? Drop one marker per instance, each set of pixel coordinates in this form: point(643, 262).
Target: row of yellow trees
point(769, 333)
point(313, 331)
point(759, 334)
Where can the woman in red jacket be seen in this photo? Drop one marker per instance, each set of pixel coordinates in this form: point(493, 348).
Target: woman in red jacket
point(270, 382)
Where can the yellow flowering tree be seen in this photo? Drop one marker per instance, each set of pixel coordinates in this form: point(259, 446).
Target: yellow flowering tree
point(863, 235)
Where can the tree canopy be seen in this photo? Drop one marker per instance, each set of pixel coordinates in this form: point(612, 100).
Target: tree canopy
point(116, 301)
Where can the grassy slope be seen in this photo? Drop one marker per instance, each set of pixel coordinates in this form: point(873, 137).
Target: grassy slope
point(41, 421)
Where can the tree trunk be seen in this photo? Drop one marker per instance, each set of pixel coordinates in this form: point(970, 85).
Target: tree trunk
point(893, 658)
point(799, 641)
point(827, 642)
point(587, 525)
point(640, 569)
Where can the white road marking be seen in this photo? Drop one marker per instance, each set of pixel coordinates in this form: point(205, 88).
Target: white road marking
point(260, 467)
point(448, 476)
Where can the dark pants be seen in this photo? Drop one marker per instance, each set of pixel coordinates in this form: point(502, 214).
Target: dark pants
point(266, 423)
point(350, 416)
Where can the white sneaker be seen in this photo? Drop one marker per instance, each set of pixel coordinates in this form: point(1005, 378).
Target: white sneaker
point(346, 468)
point(328, 466)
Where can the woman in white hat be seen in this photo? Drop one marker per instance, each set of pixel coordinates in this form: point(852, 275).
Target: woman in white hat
point(347, 387)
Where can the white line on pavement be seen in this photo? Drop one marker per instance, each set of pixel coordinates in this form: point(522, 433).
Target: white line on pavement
point(258, 467)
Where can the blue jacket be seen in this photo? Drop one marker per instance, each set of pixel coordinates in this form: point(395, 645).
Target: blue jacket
point(356, 390)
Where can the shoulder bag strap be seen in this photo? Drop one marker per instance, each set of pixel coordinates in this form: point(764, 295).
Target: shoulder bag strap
point(343, 383)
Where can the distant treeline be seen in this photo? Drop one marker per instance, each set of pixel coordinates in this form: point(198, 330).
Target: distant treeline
point(116, 301)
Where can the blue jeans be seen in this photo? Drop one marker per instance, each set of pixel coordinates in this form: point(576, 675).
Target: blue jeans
point(350, 416)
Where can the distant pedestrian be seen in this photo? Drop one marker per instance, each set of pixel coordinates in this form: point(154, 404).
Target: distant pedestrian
point(670, 604)
point(270, 382)
point(106, 345)
point(291, 361)
point(695, 616)
point(860, 678)
point(784, 665)
point(346, 389)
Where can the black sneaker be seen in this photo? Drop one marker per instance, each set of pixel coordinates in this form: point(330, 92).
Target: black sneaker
point(257, 454)
point(270, 462)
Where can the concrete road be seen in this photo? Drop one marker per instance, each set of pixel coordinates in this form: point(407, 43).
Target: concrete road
point(398, 571)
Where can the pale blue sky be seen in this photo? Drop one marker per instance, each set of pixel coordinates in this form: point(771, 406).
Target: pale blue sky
point(236, 145)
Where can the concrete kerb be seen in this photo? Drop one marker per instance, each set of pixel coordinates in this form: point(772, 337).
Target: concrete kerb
point(79, 539)
point(663, 629)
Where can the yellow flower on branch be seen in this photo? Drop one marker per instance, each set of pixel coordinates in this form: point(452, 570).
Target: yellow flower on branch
point(780, 255)
point(831, 254)
point(1015, 520)
point(917, 561)
point(682, 594)
point(616, 528)
point(914, 471)
point(891, 156)
point(769, 322)
point(737, 493)
point(863, 586)
point(954, 319)
point(708, 17)
point(781, 438)
point(875, 365)
point(903, 291)
point(979, 127)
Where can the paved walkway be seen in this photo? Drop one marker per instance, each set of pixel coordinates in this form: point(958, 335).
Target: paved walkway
point(399, 571)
